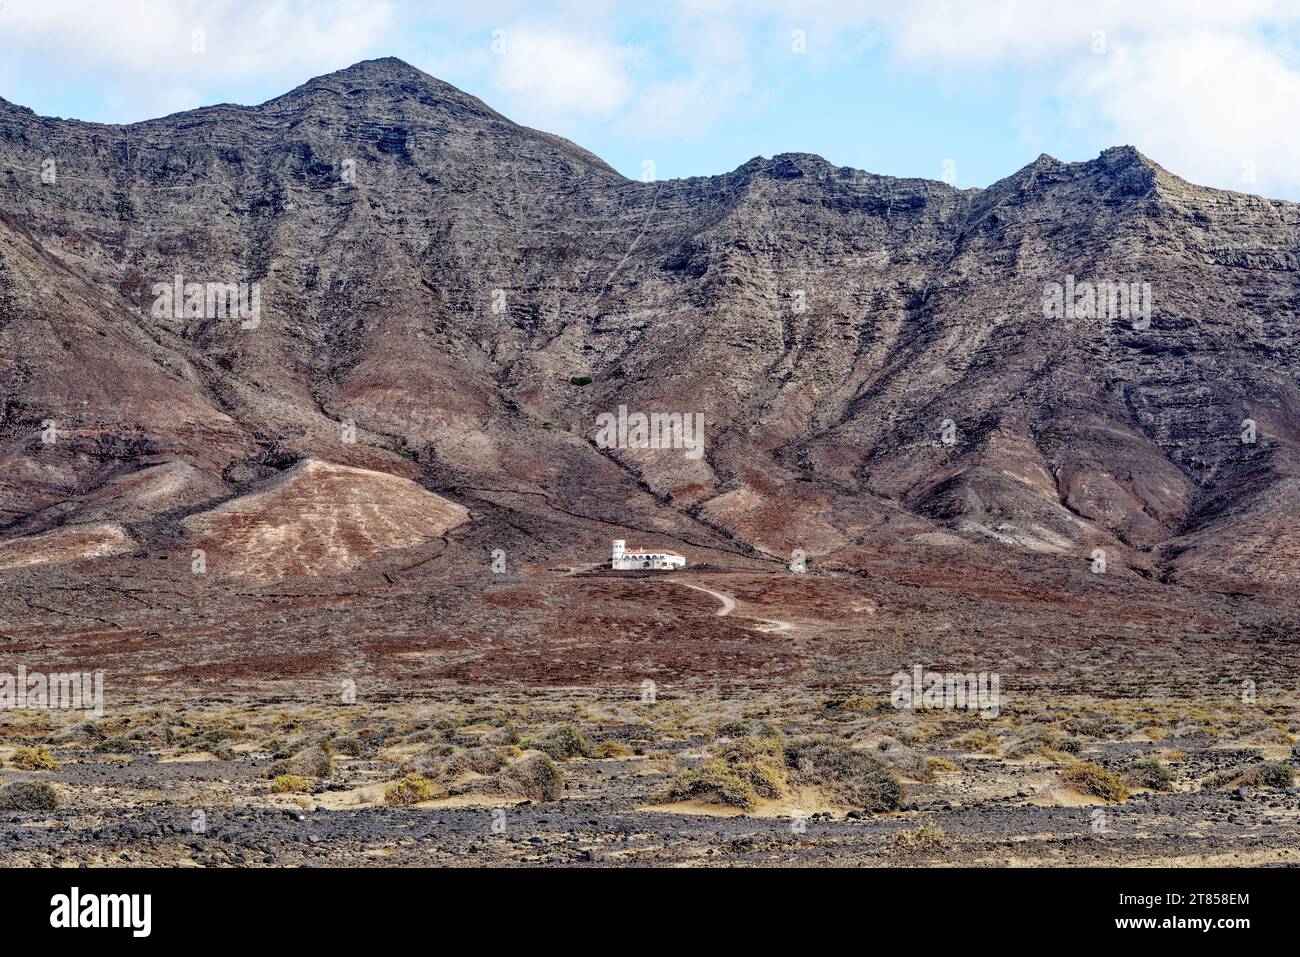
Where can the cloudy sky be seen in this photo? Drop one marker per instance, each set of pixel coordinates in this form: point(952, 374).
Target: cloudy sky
point(943, 88)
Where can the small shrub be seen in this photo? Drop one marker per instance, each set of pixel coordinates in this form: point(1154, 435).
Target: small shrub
point(290, 784)
point(854, 777)
point(909, 764)
point(312, 762)
point(926, 834)
point(565, 742)
point(1268, 774)
point(423, 735)
point(1036, 749)
point(412, 789)
point(580, 380)
point(442, 769)
point(29, 796)
point(733, 729)
point(942, 766)
point(501, 736)
point(612, 749)
point(714, 783)
point(35, 759)
point(533, 776)
point(1094, 780)
point(759, 762)
point(981, 740)
point(1149, 774)
point(483, 760)
point(349, 745)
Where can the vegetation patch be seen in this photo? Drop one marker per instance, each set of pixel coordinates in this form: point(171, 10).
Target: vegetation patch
point(1267, 774)
point(853, 777)
point(28, 796)
point(35, 759)
point(1149, 774)
point(612, 749)
point(412, 789)
point(313, 762)
point(760, 763)
point(715, 782)
point(290, 784)
point(534, 776)
point(1094, 780)
point(925, 835)
point(565, 742)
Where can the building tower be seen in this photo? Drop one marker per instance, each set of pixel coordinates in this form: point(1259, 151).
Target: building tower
point(617, 557)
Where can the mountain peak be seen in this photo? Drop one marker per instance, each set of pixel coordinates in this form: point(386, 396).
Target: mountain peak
point(380, 68)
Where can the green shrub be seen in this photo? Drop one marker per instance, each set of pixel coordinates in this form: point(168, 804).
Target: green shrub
point(35, 759)
point(733, 729)
point(565, 742)
point(290, 784)
point(580, 380)
point(1149, 774)
point(1094, 780)
point(412, 789)
point(759, 762)
point(28, 796)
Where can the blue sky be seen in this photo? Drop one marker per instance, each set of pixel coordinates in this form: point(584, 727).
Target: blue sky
point(932, 88)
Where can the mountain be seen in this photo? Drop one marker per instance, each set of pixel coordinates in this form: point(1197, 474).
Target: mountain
point(900, 378)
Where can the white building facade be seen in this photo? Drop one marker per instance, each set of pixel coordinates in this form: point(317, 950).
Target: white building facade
point(630, 559)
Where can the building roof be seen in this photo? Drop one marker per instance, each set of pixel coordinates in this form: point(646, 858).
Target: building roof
point(651, 551)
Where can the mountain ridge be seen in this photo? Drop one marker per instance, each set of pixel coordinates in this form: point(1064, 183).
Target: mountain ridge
point(380, 73)
point(441, 278)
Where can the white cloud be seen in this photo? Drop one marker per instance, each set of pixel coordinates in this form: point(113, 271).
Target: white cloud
point(560, 75)
point(1210, 106)
point(1201, 87)
point(148, 58)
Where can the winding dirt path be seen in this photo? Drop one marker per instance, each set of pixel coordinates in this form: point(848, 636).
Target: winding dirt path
point(729, 605)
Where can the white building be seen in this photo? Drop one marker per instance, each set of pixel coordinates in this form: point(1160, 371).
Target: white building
point(628, 559)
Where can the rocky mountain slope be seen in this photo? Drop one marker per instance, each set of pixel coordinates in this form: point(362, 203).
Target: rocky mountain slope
point(879, 377)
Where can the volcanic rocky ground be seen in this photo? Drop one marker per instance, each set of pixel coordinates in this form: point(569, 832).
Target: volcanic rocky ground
point(362, 537)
